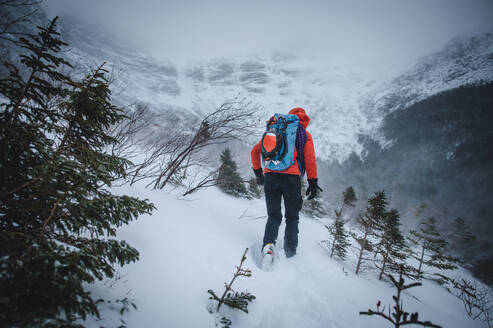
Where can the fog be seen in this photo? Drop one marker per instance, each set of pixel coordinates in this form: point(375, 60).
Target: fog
point(342, 32)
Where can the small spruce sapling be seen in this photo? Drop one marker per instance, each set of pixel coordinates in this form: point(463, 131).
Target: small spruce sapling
point(230, 297)
point(463, 243)
point(399, 317)
point(391, 246)
point(349, 197)
point(431, 255)
point(253, 188)
point(340, 241)
point(223, 322)
point(371, 222)
point(228, 178)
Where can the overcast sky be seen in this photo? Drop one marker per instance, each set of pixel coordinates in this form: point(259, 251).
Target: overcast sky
point(340, 31)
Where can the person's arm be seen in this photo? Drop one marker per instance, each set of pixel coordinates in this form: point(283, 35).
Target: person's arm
point(255, 156)
point(310, 160)
point(256, 165)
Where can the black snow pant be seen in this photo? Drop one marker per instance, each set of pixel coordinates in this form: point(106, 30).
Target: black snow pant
point(289, 187)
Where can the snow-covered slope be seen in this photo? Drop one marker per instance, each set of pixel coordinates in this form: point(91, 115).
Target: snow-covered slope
point(188, 247)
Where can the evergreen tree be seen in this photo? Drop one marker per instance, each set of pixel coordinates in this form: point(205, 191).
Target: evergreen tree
point(228, 178)
point(420, 209)
point(253, 188)
point(340, 241)
point(432, 246)
point(392, 246)
point(58, 215)
point(349, 197)
point(463, 243)
point(371, 221)
point(315, 207)
point(483, 270)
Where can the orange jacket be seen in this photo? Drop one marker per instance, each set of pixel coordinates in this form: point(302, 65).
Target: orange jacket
point(310, 161)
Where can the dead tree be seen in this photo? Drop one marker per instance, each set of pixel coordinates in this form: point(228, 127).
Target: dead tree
point(477, 299)
point(176, 152)
point(168, 159)
point(131, 133)
point(232, 120)
point(199, 180)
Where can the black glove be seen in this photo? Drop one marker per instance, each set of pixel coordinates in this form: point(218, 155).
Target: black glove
point(312, 188)
point(260, 176)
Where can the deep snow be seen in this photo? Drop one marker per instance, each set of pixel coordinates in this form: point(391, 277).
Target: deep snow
point(191, 245)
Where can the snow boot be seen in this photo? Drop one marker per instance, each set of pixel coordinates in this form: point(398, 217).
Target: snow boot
point(267, 256)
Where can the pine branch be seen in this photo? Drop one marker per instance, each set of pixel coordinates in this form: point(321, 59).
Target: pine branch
point(40, 53)
point(22, 186)
point(50, 202)
point(52, 212)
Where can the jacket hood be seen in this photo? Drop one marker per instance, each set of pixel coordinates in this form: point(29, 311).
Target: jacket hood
point(300, 112)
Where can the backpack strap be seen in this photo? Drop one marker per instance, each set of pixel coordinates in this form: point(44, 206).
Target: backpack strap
point(301, 138)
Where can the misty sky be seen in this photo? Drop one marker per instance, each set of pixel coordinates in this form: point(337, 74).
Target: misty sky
point(343, 32)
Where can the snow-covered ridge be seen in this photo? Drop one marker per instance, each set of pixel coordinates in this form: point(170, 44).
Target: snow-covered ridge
point(277, 82)
point(343, 102)
point(464, 60)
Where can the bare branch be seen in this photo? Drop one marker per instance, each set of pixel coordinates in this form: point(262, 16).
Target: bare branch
point(177, 153)
point(13, 13)
point(477, 299)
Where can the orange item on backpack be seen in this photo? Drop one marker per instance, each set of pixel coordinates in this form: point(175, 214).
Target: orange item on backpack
point(269, 142)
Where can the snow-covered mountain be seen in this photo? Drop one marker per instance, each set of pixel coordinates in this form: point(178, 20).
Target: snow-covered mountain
point(464, 60)
point(276, 82)
point(342, 101)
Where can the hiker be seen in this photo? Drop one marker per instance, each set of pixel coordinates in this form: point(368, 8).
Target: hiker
point(285, 181)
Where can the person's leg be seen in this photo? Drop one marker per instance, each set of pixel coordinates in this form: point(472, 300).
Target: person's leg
point(272, 190)
point(293, 201)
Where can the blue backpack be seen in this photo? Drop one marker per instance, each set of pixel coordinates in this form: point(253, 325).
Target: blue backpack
point(283, 134)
